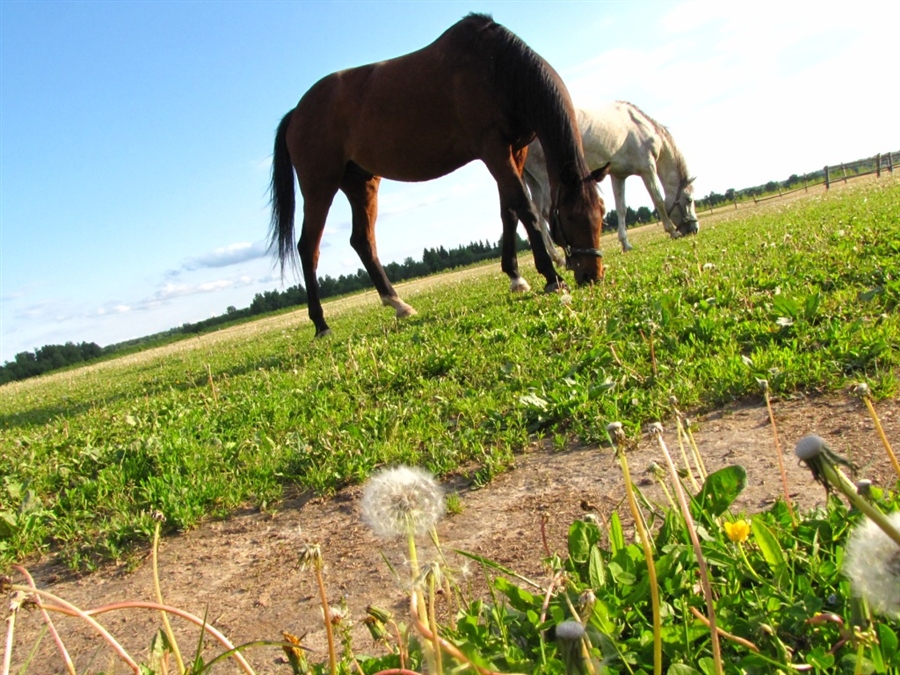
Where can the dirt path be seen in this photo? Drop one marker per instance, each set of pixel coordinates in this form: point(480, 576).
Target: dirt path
point(243, 571)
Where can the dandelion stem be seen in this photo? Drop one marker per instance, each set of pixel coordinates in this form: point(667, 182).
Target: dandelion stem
point(698, 552)
point(187, 616)
point(687, 464)
point(10, 631)
point(648, 556)
point(439, 641)
point(665, 489)
point(696, 451)
point(728, 636)
point(747, 562)
point(432, 615)
point(839, 479)
point(63, 652)
point(778, 455)
point(884, 440)
point(329, 633)
point(72, 610)
point(859, 658)
point(159, 596)
point(215, 395)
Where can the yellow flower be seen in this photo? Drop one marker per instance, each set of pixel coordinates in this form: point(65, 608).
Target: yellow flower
point(738, 531)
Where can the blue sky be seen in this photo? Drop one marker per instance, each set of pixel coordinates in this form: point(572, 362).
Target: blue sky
point(135, 137)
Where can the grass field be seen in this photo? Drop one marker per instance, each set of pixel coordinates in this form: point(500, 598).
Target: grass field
point(803, 295)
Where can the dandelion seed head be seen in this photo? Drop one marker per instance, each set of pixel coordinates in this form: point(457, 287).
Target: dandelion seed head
point(569, 630)
point(309, 555)
point(809, 447)
point(565, 299)
point(401, 501)
point(615, 431)
point(872, 564)
point(861, 389)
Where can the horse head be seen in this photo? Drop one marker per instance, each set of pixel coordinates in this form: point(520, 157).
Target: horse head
point(575, 224)
point(682, 212)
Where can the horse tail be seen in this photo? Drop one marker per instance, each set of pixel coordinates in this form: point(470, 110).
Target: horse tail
point(281, 232)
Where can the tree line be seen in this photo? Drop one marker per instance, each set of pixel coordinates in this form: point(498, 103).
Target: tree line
point(47, 358)
point(433, 261)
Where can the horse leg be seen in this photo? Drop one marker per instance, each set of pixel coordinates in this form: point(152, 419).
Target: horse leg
point(505, 166)
point(654, 188)
point(315, 211)
point(537, 186)
point(618, 186)
point(361, 189)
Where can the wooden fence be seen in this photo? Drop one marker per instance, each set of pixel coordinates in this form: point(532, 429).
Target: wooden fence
point(828, 176)
point(863, 167)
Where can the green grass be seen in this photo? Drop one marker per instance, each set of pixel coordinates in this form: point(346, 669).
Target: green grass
point(803, 295)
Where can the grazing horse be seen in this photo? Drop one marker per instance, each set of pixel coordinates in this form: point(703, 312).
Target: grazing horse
point(636, 145)
point(477, 92)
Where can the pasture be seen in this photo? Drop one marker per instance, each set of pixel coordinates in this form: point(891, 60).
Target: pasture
point(803, 295)
point(244, 428)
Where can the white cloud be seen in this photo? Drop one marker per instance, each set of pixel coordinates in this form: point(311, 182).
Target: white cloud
point(752, 96)
point(225, 256)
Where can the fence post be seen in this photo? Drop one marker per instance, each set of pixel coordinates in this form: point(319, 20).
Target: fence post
point(827, 179)
point(891, 162)
point(805, 179)
point(844, 172)
point(878, 165)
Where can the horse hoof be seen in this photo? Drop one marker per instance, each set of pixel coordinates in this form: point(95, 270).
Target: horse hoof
point(556, 287)
point(519, 285)
point(626, 247)
point(403, 312)
point(323, 333)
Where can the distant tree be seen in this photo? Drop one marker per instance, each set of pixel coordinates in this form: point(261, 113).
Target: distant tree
point(643, 215)
point(611, 220)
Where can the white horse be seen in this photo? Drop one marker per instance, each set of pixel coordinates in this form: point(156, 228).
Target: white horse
point(636, 145)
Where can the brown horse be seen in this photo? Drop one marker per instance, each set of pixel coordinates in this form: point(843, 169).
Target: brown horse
point(477, 92)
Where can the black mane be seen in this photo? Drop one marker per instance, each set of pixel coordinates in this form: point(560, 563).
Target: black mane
point(534, 94)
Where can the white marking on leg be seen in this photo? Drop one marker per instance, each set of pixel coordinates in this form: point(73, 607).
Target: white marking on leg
point(518, 285)
point(401, 308)
point(618, 185)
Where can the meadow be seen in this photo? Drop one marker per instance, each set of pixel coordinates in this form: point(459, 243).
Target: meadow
point(794, 298)
point(802, 295)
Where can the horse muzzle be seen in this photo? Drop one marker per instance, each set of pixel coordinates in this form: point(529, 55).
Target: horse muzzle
point(585, 263)
point(688, 227)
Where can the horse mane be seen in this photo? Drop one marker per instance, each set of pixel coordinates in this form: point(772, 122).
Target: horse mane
point(533, 94)
point(663, 131)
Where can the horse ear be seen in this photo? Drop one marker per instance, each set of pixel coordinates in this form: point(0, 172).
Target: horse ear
point(598, 175)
